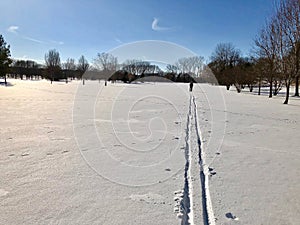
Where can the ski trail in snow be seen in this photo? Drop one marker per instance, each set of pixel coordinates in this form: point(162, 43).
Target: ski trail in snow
point(196, 189)
point(189, 171)
point(187, 201)
point(208, 213)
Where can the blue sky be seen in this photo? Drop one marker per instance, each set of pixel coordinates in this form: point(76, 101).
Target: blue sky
point(78, 27)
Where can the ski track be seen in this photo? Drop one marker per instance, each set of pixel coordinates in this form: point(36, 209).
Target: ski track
point(209, 217)
point(188, 199)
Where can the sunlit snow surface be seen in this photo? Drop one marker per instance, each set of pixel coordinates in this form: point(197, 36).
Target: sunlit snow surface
point(74, 154)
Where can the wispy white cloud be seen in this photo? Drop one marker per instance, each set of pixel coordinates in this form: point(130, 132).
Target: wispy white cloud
point(13, 29)
point(42, 42)
point(34, 40)
point(118, 40)
point(57, 42)
point(156, 27)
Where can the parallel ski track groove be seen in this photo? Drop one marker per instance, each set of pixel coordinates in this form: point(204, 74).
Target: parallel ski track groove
point(188, 201)
point(208, 215)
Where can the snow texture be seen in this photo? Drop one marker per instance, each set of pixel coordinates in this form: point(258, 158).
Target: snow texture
point(146, 153)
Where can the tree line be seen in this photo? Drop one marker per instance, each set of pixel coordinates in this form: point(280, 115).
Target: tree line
point(275, 58)
point(184, 70)
point(105, 66)
point(53, 69)
point(274, 61)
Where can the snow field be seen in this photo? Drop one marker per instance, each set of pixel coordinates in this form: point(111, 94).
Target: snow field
point(130, 154)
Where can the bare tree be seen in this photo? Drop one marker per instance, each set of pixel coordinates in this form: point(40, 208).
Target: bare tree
point(143, 67)
point(297, 51)
point(192, 65)
point(136, 67)
point(260, 71)
point(83, 64)
point(288, 16)
point(69, 64)
point(82, 67)
point(267, 43)
point(196, 64)
point(224, 58)
point(107, 63)
point(278, 43)
point(52, 60)
point(140, 68)
point(172, 68)
point(130, 65)
point(183, 65)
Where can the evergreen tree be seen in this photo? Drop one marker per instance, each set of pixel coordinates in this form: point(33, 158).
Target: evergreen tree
point(5, 60)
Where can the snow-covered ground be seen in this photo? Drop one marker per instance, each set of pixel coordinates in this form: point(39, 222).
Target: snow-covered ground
point(146, 153)
point(257, 167)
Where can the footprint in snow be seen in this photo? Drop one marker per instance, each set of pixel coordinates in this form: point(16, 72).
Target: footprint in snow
point(117, 145)
point(211, 171)
point(178, 201)
point(231, 216)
